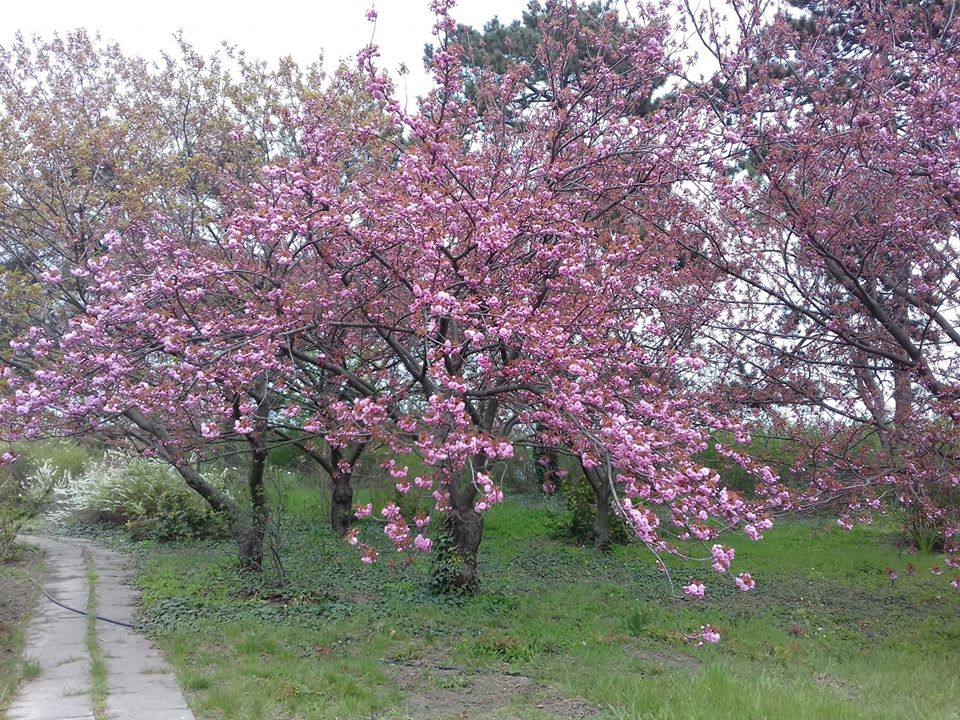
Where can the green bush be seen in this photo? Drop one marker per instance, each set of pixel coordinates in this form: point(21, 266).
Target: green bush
point(581, 502)
point(520, 474)
point(145, 496)
point(780, 454)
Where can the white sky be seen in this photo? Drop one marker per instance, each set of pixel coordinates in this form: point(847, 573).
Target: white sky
point(267, 29)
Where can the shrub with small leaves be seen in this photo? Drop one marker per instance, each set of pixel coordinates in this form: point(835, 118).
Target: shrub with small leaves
point(145, 496)
point(22, 497)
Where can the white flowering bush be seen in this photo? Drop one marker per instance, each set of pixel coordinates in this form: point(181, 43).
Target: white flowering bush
point(145, 496)
point(22, 497)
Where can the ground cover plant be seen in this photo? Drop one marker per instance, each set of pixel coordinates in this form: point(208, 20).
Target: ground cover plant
point(557, 629)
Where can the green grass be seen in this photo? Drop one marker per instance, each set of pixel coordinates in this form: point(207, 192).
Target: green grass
point(98, 667)
point(17, 598)
point(558, 630)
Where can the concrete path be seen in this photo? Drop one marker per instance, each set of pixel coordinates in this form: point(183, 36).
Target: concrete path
point(140, 684)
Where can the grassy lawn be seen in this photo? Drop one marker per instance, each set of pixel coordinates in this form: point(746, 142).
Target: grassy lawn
point(559, 631)
point(17, 597)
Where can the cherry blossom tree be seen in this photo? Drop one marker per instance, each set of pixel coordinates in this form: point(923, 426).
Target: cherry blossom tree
point(508, 265)
point(440, 282)
point(831, 207)
point(135, 321)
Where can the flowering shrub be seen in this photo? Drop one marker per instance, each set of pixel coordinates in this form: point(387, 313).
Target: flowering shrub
point(22, 497)
point(145, 496)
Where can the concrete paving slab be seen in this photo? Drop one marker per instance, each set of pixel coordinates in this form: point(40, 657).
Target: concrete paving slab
point(56, 641)
point(140, 683)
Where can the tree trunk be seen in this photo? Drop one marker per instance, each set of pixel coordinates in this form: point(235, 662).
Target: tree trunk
point(454, 559)
point(601, 527)
point(466, 526)
point(250, 538)
point(546, 466)
point(902, 376)
point(341, 505)
point(601, 491)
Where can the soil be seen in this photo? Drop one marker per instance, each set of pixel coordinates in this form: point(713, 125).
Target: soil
point(673, 660)
point(443, 692)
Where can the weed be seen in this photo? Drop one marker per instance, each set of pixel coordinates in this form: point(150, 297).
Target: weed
point(29, 669)
point(639, 620)
point(17, 597)
point(98, 667)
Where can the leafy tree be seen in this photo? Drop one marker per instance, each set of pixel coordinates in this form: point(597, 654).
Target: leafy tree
point(551, 65)
point(515, 277)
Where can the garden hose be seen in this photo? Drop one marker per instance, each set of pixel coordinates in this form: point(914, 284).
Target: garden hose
point(56, 602)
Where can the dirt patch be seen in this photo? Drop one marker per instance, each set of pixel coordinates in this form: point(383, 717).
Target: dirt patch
point(444, 692)
point(569, 708)
point(658, 657)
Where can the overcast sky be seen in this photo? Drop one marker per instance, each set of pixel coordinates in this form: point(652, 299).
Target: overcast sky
point(267, 29)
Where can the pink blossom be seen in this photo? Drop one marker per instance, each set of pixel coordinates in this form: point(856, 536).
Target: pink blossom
point(423, 543)
point(391, 512)
point(696, 590)
point(709, 634)
point(722, 557)
point(745, 582)
point(243, 426)
point(399, 533)
point(363, 511)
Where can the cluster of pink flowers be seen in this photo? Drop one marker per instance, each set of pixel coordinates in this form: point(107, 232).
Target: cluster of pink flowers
point(709, 634)
point(754, 530)
point(722, 557)
point(396, 527)
point(745, 582)
point(491, 493)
